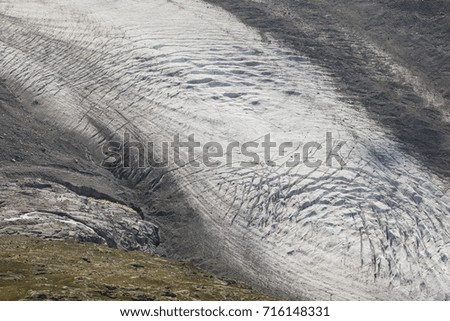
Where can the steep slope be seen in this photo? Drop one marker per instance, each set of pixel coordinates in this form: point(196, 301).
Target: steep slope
point(390, 56)
point(376, 227)
point(49, 186)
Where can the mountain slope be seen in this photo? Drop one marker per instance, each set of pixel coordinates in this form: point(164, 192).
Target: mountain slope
point(373, 227)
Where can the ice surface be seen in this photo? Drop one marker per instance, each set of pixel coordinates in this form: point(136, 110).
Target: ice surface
point(376, 229)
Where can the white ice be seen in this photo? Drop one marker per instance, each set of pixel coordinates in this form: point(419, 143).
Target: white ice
point(378, 228)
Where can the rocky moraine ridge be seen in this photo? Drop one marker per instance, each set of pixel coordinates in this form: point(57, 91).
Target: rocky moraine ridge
point(50, 187)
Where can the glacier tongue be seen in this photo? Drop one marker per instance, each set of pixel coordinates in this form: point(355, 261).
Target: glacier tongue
point(376, 228)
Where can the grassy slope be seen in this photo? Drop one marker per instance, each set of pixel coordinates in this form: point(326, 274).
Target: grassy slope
point(35, 269)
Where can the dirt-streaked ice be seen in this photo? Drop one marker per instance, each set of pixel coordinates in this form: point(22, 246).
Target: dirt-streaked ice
point(378, 228)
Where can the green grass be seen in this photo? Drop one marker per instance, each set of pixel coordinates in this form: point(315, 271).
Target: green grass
point(35, 269)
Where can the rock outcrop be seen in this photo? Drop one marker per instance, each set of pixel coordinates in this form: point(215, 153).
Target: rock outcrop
point(51, 211)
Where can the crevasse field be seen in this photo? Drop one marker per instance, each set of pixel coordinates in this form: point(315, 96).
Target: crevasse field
point(376, 228)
